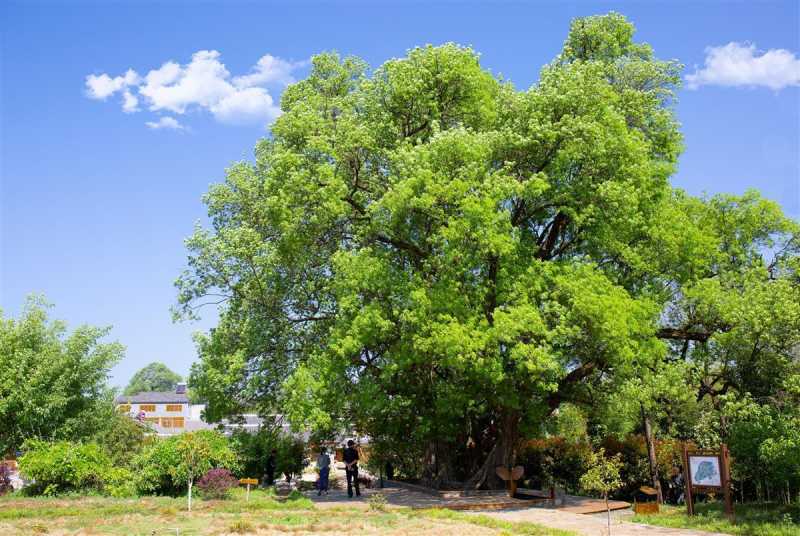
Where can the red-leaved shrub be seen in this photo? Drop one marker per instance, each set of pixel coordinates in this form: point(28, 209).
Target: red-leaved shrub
point(5, 479)
point(216, 483)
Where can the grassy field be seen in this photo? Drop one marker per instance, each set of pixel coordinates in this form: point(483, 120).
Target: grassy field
point(263, 514)
point(750, 520)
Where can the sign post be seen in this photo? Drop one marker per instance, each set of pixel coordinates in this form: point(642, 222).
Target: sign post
point(248, 481)
point(687, 482)
point(707, 471)
point(726, 475)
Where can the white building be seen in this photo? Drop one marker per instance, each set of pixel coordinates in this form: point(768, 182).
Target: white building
point(170, 412)
point(167, 412)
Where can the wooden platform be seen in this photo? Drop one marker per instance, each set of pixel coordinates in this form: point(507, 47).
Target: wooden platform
point(586, 505)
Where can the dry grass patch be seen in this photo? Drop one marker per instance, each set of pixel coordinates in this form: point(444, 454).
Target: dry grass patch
point(263, 515)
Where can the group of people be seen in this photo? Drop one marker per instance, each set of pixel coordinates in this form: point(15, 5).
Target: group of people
point(350, 458)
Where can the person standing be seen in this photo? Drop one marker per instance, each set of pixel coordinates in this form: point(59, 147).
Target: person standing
point(351, 468)
point(271, 464)
point(324, 466)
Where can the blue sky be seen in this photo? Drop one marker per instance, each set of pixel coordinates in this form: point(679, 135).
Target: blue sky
point(95, 204)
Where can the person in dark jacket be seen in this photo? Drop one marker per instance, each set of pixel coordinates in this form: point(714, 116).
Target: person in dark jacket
point(271, 464)
point(351, 468)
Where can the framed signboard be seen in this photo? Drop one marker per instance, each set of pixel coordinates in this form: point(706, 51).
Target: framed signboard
point(707, 471)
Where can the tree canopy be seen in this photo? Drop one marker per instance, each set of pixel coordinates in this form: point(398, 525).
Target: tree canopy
point(52, 384)
point(153, 377)
point(441, 259)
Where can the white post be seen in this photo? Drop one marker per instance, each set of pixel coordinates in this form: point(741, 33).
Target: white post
point(248, 492)
point(190, 494)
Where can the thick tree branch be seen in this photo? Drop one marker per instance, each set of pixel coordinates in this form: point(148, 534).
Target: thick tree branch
point(402, 245)
point(490, 302)
point(680, 334)
point(575, 376)
point(555, 229)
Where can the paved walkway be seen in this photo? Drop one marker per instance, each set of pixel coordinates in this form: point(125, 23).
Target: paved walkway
point(519, 511)
point(396, 496)
point(589, 525)
point(412, 499)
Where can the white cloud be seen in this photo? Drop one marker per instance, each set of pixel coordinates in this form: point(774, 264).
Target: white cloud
point(169, 123)
point(739, 64)
point(130, 103)
point(103, 86)
point(268, 70)
point(202, 84)
point(166, 74)
point(246, 106)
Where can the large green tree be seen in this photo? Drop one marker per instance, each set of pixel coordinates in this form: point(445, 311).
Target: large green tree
point(153, 377)
point(52, 384)
point(440, 259)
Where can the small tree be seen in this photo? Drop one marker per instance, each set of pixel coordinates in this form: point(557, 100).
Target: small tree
point(196, 454)
point(603, 477)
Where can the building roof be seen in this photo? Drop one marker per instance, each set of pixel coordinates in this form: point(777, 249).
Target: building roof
point(154, 397)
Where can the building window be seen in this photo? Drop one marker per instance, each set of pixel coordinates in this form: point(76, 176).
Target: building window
point(124, 408)
point(147, 407)
point(153, 420)
point(172, 422)
point(174, 407)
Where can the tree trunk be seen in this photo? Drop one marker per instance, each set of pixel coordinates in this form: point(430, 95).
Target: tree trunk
point(651, 455)
point(503, 453)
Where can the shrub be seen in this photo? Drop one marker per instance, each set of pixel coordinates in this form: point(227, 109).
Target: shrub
point(119, 482)
point(554, 461)
point(377, 502)
point(156, 467)
point(253, 450)
point(5, 479)
point(216, 484)
point(121, 437)
point(64, 466)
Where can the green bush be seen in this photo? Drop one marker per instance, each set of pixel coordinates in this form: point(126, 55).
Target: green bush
point(156, 465)
point(635, 470)
point(121, 437)
point(555, 461)
point(120, 482)
point(64, 466)
point(253, 450)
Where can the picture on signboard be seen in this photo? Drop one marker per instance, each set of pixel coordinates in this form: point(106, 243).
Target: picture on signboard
point(705, 471)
